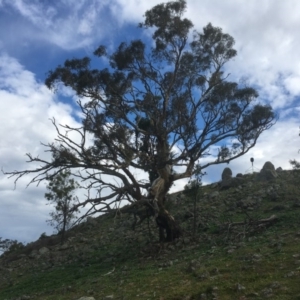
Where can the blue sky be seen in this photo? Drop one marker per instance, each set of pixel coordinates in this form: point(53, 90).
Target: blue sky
point(37, 35)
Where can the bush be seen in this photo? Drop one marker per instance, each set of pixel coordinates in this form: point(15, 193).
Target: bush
point(9, 246)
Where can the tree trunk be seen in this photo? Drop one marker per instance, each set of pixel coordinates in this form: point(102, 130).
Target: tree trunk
point(65, 212)
point(169, 229)
point(195, 216)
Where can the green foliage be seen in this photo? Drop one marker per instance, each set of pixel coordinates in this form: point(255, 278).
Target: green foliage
point(295, 164)
point(145, 101)
point(10, 246)
point(61, 193)
point(192, 188)
point(193, 191)
point(152, 93)
point(43, 236)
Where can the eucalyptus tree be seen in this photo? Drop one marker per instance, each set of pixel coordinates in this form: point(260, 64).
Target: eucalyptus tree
point(60, 192)
point(158, 106)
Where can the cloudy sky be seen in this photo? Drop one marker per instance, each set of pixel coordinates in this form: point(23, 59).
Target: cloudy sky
point(37, 35)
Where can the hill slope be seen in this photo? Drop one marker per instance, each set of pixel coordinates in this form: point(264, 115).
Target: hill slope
point(246, 247)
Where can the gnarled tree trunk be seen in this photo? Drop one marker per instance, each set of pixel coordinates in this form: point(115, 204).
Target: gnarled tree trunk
point(169, 229)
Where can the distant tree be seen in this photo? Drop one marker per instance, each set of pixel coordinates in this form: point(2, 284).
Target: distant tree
point(193, 191)
point(8, 245)
point(61, 193)
point(295, 164)
point(158, 106)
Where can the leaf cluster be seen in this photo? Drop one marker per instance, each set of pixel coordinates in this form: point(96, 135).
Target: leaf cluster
point(61, 193)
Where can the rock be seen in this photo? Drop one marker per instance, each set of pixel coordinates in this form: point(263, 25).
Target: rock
point(170, 263)
point(239, 287)
point(249, 184)
point(108, 297)
point(166, 264)
point(203, 276)
point(253, 294)
point(267, 172)
point(43, 250)
point(186, 241)
point(193, 265)
point(275, 285)
point(268, 175)
point(215, 271)
point(65, 246)
point(214, 195)
point(256, 257)
point(279, 169)
point(90, 292)
point(83, 240)
point(86, 298)
point(226, 174)
point(268, 166)
point(34, 254)
point(231, 182)
point(290, 274)
point(267, 292)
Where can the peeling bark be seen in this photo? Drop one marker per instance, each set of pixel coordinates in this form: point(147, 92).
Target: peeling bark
point(169, 229)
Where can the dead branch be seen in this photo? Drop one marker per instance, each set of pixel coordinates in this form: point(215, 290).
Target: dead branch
point(269, 220)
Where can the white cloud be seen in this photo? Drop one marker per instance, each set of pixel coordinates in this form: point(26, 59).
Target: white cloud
point(266, 34)
point(131, 10)
point(267, 39)
point(26, 106)
point(292, 84)
point(67, 24)
point(35, 12)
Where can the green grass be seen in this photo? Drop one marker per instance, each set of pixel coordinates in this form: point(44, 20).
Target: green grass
point(220, 263)
point(225, 270)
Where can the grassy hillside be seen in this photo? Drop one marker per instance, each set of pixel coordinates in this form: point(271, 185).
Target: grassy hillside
point(247, 246)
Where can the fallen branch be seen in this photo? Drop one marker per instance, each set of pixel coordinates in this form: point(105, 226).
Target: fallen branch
point(249, 227)
point(269, 220)
point(109, 272)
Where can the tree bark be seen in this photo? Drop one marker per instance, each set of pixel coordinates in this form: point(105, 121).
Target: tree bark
point(169, 229)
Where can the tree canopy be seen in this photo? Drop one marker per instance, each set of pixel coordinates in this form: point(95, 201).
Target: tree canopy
point(156, 107)
point(60, 192)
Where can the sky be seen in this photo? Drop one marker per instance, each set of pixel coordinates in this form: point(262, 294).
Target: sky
point(38, 35)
